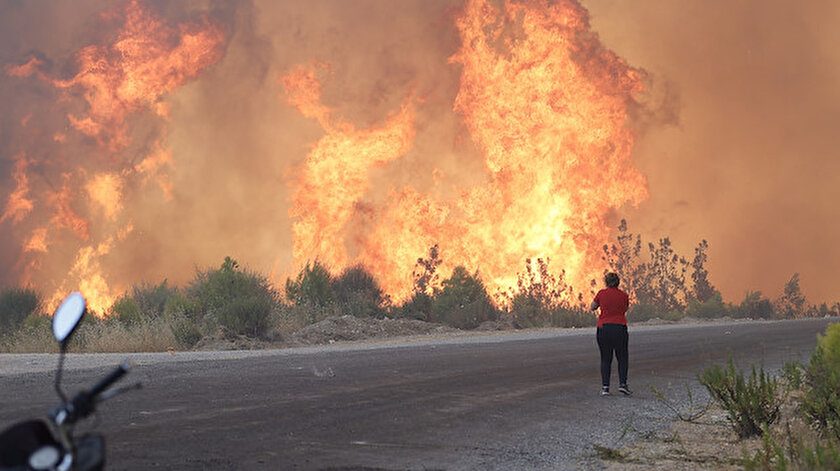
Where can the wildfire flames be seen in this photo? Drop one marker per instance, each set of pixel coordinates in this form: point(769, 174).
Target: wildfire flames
point(130, 76)
point(545, 104)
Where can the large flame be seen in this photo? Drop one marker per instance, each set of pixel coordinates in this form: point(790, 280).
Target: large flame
point(127, 77)
point(546, 104)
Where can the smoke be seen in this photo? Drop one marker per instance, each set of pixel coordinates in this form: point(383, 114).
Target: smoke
point(751, 164)
point(735, 138)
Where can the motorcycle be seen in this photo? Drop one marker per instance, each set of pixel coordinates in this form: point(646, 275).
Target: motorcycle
point(49, 445)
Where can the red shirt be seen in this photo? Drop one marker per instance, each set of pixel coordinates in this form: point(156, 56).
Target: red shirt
point(613, 303)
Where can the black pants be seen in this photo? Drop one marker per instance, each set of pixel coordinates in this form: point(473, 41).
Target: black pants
point(613, 338)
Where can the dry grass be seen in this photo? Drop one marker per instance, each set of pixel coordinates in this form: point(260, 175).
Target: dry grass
point(147, 335)
point(34, 341)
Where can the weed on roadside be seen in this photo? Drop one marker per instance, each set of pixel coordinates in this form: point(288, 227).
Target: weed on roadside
point(692, 413)
point(608, 454)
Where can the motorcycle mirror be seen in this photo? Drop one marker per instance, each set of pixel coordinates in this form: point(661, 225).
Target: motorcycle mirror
point(67, 317)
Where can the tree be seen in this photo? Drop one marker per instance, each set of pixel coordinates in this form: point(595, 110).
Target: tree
point(623, 259)
point(664, 285)
point(425, 272)
point(703, 289)
point(425, 289)
point(791, 304)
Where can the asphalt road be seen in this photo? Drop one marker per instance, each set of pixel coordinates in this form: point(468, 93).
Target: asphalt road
point(511, 401)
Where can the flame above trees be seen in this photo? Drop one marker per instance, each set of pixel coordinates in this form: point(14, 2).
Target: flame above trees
point(546, 104)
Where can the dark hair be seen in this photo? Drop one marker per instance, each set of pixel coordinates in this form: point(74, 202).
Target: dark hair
point(612, 280)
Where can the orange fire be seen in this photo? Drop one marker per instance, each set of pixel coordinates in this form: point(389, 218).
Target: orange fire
point(334, 178)
point(131, 76)
point(546, 104)
point(18, 205)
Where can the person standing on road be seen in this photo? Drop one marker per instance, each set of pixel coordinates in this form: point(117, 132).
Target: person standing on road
point(612, 332)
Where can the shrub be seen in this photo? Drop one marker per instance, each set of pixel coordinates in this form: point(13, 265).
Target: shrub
point(796, 451)
point(180, 305)
point(152, 299)
point(15, 305)
point(358, 293)
point(419, 307)
point(126, 310)
point(246, 316)
point(755, 307)
point(528, 311)
point(566, 317)
point(463, 302)
point(792, 374)
point(640, 312)
point(712, 308)
point(313, 285)
point(291, 318)
point(184, 330)
point(240, 301)
point(750, 403)
point(821, 403)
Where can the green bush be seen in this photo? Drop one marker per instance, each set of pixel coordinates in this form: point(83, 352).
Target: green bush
point(152, 299)
point(792, 374)
point(755, 307)
point(750, 403)
point(821, 403)
point(246, 316)
point(419, 307)
point(239, 301)
point(16, 304)
point(795, 452)
point(313, 285)
point(185, 330)
point(566, 317)
point(126, 310)
point(180, 305)
point(641, 312)
point(463, 302)
point(712, 308)
point(184, 319)
point(358, 293)
point(528, 311)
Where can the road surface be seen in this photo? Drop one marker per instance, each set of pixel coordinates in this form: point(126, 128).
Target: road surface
point(524, 400)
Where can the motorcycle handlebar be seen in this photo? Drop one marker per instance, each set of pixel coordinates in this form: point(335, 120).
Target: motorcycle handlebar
point(107, 381)
point(84, 403)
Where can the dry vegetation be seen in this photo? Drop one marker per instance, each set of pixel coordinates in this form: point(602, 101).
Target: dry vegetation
point(232, 307)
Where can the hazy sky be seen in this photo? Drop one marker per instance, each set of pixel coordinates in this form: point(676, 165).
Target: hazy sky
point(753, 164)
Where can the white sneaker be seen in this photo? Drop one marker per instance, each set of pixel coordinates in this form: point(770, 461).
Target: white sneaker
point(605, 390)
point(623, 389)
